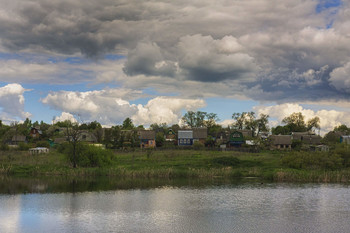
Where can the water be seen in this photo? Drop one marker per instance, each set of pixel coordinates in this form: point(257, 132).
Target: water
point(172, 206)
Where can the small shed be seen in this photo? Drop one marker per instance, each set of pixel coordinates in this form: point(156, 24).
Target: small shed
point(39, 150)
point(283, 142)
point(16, 139)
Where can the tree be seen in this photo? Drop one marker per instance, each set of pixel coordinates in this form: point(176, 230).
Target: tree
point(160, 139)
point(295, 122)
point(163, 127)
point(127, 124)
point(343, 129)
point(262, 123)
point(248, 121)
point(313, 124)
point(199, 119)
point(73, 133)
point(239, 120)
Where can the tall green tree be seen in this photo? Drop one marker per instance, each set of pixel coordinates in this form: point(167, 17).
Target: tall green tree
point(295, 122)
point(248, 121)
point(314, 124)
point(199, 119)
point(127, 124)
point(343, 129)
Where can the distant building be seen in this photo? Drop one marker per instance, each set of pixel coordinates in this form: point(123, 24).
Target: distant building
point(236, 139)
point(147, 138)
point(281, 142)
point(39, 150)
point(86, 136)
point(200, 134)
point(307, 138)
point(170, 136)
point(345, 139)
point(35, 132)
point(185, 137)
point(16, 139)
point(246, 132)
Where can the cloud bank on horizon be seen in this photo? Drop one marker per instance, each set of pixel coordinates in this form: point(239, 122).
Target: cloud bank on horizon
point(273, 52)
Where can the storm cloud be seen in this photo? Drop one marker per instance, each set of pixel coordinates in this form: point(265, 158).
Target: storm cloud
point(278, 51)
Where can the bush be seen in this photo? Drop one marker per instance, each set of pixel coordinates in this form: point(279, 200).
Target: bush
point(343, 150)
point(198, 145)
point(89, 156)
point(4, 147)
point(43, 144)
point(226, 161)
point(24, 146)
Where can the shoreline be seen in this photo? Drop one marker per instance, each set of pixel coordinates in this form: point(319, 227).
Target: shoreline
point(172, 165)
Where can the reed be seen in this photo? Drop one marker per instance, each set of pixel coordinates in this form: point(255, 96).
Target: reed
point(173, 164)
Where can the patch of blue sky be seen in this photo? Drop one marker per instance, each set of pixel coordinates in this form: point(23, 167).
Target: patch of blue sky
point(113, 57)
point(327, 4)
point(39, 111)
point(332, 7)
point(142, 101)
point(76, 60)
point(9, 56)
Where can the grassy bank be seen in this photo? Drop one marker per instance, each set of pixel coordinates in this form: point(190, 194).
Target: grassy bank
point(172, 164)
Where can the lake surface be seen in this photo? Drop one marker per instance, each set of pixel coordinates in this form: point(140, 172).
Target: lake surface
point(36, 205)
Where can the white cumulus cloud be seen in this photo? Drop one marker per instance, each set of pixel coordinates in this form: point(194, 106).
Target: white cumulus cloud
point(328, 118)
point(12, 103)
point(110, 107)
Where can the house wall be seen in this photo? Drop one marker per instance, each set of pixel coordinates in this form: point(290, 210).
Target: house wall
point(148, 143)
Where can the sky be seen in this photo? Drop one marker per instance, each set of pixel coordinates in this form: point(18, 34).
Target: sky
point(154, 60)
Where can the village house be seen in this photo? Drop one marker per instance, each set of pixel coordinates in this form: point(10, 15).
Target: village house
point(281, 142)
point(170, 136)
point(345, 139)
point(35, 132)
point(246, 133)
point(307, 137)
point(16, 139)
point(86, 136)
point(185, 137)
point(147, 138)
point(200, 134)
point(236, 139)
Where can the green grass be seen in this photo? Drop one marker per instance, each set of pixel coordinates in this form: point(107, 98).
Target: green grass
point(171, 164)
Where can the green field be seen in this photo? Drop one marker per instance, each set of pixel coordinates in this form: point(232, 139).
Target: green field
point(270, 165)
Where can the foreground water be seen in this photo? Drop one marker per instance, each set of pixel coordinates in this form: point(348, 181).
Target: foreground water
point(28, 205)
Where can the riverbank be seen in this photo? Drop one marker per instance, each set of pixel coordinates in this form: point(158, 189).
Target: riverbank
point(172, 164)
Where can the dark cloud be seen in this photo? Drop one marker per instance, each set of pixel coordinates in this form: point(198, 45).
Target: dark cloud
point(265, 50)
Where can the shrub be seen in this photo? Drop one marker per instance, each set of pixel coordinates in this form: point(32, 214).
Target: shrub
point(4, 147)
point(343, 150)
point(43, 144)
point(89, 156)
point(24, 146)
point(198, 145)
point(226, 161)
